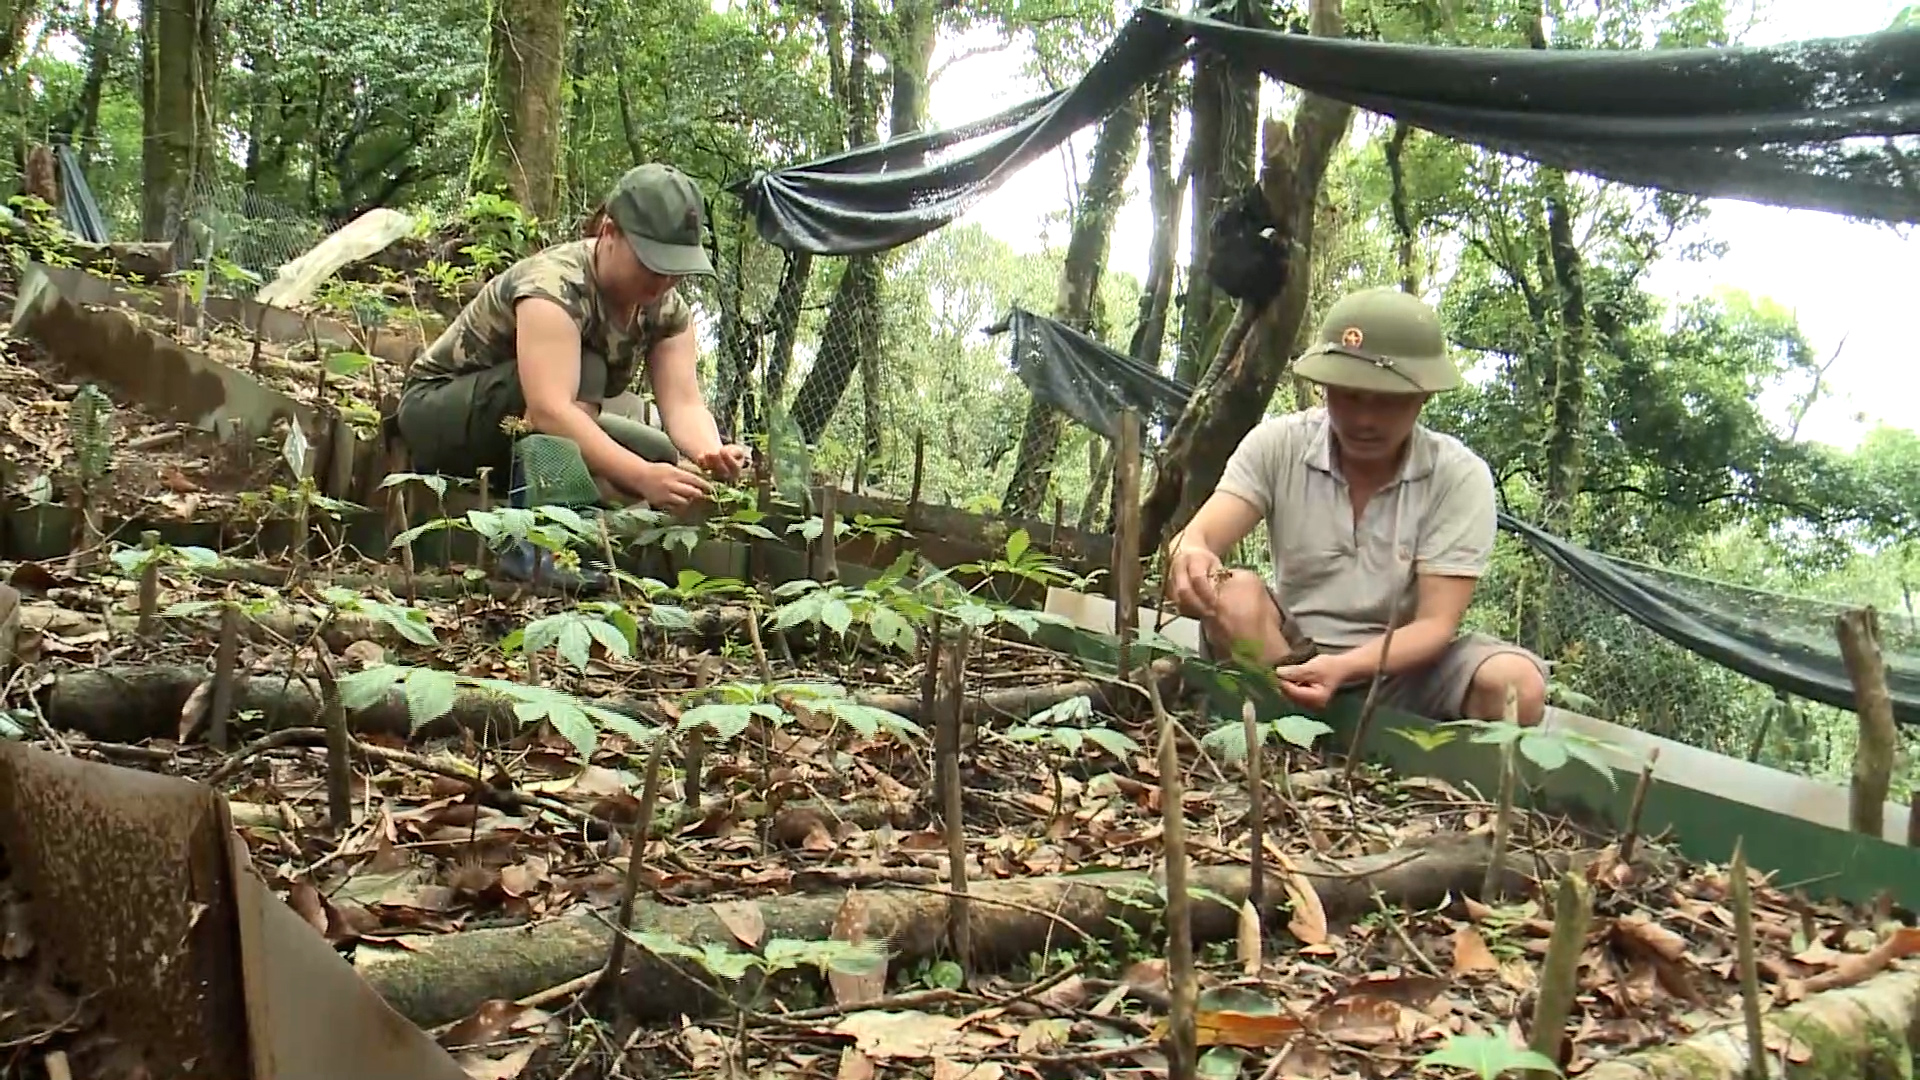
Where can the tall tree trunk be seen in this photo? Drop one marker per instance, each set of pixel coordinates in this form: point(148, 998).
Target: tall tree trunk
point(785, 317)
point(851, 337)
point(1076, 301)
point(520, 107)
point(1567, 396)
point(178, 62)
point(1226, 111)
point(1164, 191)
point(1402, 214)
point(82, 118)
point(579, 176)
point(1231, 400)
point(15, 18)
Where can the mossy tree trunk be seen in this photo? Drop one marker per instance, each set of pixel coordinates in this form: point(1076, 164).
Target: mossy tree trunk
point(179, 59)
point(1232, 397)
point(522, 104)
point(1225, 114)
point(1077, 301)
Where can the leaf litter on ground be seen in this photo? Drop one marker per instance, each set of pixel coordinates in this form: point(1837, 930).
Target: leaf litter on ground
point(427, 854)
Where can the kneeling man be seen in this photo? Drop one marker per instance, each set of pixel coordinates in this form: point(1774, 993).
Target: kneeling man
point(1370, 515)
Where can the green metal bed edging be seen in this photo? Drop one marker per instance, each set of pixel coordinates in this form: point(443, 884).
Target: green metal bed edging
point(1826, 862)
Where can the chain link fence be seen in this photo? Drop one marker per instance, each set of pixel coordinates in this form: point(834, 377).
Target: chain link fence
point(238, 238)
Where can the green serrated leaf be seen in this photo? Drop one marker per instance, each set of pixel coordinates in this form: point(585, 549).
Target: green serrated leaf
point(1546, 750)
point(725, 719)
point(1299, 730)
point(364, 689)
point(575, 644)
point(430, 694)
point(836, 615)
point(1117, 743)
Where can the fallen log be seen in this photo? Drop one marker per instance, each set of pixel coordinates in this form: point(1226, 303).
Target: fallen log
point(1863, 1030)
point(435, 979)
point(131, 704)
point(297, 624)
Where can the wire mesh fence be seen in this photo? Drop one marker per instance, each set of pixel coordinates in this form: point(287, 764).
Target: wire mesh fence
point(238, 238)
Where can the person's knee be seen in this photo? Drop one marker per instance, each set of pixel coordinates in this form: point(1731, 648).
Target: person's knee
point(1487, 696)
point(1244, 615)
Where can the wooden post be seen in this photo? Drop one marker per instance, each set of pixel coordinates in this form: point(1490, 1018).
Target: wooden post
point(919, 474)
point(1126, 536)
point(1859, 633)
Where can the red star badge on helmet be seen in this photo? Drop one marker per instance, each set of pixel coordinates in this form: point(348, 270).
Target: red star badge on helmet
point(1351, 337)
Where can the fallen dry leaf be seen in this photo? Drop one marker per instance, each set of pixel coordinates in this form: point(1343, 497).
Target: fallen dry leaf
point(855, 1065)
point(1250, 938)
point(1642, 933)
point(1361, 1019)
point(1043, 1036)
point(1252, 1030)
point(479, 1066)
point(742, 919)
point(1470, 953)
point(1901, 943)
point(911, 1035)
point(850, 925)
point(486, 1024)
point(1308, 922)
point(708, 1053)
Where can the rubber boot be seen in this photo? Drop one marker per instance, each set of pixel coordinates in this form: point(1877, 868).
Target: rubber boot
point(525, 561)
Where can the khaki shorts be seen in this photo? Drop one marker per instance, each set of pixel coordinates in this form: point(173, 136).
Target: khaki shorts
point(452, 426)
point(1437, 691)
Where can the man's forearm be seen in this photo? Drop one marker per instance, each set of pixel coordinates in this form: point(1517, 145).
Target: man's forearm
point(602, 453)
point(1415, 645)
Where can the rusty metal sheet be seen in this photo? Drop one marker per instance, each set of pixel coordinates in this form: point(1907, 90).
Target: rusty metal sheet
point(130, 892)
point(310, 1015)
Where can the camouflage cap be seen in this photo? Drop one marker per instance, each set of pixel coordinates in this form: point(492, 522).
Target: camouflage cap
point(662, 214)
point(1382, 340)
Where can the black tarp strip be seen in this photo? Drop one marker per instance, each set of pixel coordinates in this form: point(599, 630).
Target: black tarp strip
point(1804, 124)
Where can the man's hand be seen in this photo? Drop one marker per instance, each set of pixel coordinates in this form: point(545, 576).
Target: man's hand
point(1312, 684)
point(666, 487)
point(1192, 573)
point(726, 462)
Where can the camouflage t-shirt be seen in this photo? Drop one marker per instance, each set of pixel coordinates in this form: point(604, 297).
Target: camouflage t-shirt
point(483, 334)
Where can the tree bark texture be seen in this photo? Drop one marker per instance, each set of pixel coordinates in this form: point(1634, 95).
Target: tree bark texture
point(179, 55)
point(1077, 301)
point(521, 106)
point(1225, 112)
point(442, 978)
point(1859, 634)
point(16, 16)
point(1228, 403)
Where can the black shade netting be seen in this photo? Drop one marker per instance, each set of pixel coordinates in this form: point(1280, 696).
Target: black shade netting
point(1087, 380)
point(1787, 642)
point(1830, 124)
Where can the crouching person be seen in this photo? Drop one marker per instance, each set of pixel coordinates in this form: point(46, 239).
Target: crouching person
point(1372, 516)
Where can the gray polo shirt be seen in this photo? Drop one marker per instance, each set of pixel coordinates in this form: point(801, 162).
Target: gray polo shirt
point(1340, 578)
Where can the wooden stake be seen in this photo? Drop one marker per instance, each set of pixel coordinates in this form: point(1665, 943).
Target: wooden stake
point(486, 506)
point(826, 562)
point(1742, 897)
point(226, 657)
point(1126, 537)
point(919, 474)
point(959, 924)
point(1182, 1042)
point(1256, 753)
point(1560, 971)
point(636, 851)
point(1632, 833)
point(149, 585)
point(1859, 634)
point(333, 717)
point(1503, 813)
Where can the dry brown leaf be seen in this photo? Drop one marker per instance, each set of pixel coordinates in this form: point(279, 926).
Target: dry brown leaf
point(1361, 1019)
point(743, 920)
point(850, 925)
point(708, 1052)
point(195, 708)
point(911, 1035)
point(1148, 974)
point(855, 1065)
point(1070, 993)
point(1253, 1030)
point(1305, 1059)
point(523, 878)
point(1641, 933)
point(1901, 943)
point(1309, 918)
point(487, 1024)
point(1043, 1036)
point(360, 655)
point(478, 1066)
point(1250, 938)
point(1470, 953)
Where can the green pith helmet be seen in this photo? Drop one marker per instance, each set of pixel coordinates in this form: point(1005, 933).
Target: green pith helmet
point(1382, 340)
